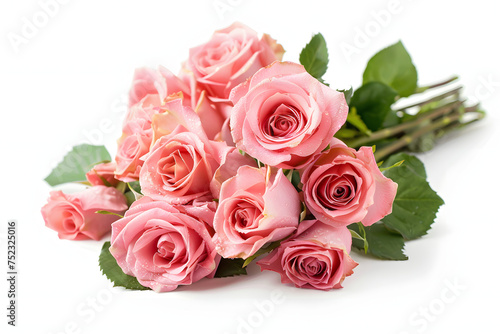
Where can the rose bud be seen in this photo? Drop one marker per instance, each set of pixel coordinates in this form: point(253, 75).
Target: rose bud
point(74, 216)
point(102, 175)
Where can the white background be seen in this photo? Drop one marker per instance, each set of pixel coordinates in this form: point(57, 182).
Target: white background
point(67, 84)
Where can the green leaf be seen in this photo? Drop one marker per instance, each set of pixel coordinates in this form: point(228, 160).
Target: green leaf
point(373, 102)
point(262, 251)
point(130, 196)
point(410, 161)
point(416, 204)
point(354, 119)
point(134, 192)
point(314, 56)
point(344, 133)
point(296, 180)
point(230, 267)
point(347, 94)
point(135, 186)
point(77, 163)
point(393, 66)
point(114, 273)
point(382, 243)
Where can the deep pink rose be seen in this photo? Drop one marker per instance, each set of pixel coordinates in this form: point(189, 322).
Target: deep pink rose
point(345, 186)
point(101, 174)
point(164, 246)
point(230, 57)
point(284, 117)
point(181, 166)
point(74, 216)
point(316, 258)
point(254, 208)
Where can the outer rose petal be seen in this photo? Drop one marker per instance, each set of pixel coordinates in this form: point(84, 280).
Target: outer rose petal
point(385, 190)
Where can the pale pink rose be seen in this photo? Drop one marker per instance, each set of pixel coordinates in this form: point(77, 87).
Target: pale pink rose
point(284, 117)
point(145, 125)
point(316, 258)
point(254, 208)
point(345, 186)
point(231, 162)
point(161, 82)
point(181, 166)
point(154, 93)
point(164, 246)
point(212, 117)
point(74, 216)
point(132, 146)
point(230, 57)
point(102, 174)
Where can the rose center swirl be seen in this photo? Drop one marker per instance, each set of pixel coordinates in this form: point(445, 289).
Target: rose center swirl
point(284, 123)
point(175, 167)
point(333, 191)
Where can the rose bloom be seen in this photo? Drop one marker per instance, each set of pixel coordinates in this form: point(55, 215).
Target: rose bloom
point(284, 117)
point(230, 57)
point(164, 246)
point(150, 96)
point(254, 208)
point(101, 174)
point(316, 258)
point(181, 166)
point(345, 186)
point(74, 217)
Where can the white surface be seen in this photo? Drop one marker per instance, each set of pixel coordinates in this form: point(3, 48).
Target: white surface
point(73, 75)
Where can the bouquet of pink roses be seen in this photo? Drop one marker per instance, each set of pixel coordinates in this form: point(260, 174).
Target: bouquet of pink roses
point(242, 156)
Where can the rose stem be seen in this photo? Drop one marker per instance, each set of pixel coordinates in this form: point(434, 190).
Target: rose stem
point(436, 98)
point(409, 138)
point(389, 132)
point(423, 89)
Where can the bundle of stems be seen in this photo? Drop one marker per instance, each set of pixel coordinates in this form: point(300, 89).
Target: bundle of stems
point(434, 116)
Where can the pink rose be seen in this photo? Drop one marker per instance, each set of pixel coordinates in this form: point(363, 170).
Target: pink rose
point(164, 246)
point(180, 166)
point(132, 146)
point(317, 257)
point(144, 125)
point(74, 216)
point(254, 208)
point(101, 174)
point(345, 186)
point(161, 82)
point(230, 57)
point(284, 117)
